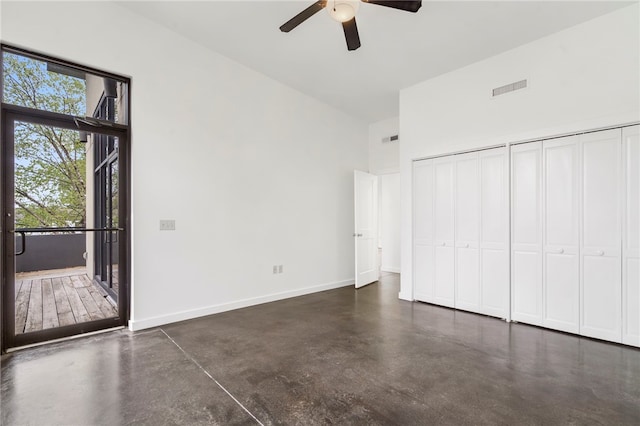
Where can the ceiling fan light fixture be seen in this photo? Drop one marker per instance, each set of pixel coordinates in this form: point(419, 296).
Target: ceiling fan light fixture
point(342, 10)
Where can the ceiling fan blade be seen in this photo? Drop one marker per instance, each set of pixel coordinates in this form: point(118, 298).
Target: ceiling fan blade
point(351, 34)
point(409, 6)
point(303, 16)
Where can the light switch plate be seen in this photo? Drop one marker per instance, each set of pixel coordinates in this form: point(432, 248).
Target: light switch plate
point(167, 225)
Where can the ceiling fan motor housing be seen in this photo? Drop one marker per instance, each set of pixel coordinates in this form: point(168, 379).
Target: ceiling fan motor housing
point(342, 10)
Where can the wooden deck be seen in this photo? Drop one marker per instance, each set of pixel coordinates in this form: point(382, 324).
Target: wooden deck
point(55, 298)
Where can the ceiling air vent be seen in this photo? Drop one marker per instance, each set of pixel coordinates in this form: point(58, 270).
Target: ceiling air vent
point(390, 139)
point(509, 88)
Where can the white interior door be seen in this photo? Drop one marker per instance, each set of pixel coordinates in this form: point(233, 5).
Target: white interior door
point(443, 218)
point(466, 224)
point(494, 231)
point(366, 227)
point(423, 273)
point(561, 279)
point(631, 236)
point(600, 251)
point(526, 233)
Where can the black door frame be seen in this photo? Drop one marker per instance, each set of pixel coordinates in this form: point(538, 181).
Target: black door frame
point(9, 115)
point(103, 254)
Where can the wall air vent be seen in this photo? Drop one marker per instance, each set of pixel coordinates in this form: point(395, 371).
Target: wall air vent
point(388, 139)
point(509, 88)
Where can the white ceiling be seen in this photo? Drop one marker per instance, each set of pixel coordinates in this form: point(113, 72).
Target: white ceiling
point(399, 49)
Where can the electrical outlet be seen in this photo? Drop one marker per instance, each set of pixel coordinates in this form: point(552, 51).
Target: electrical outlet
point(275, 269)
point(279, 269)
point(167, 225)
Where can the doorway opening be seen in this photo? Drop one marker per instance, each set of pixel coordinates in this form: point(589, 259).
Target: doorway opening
point(65, 205)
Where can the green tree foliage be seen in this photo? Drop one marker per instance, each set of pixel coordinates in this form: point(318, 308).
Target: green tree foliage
point(50, 174)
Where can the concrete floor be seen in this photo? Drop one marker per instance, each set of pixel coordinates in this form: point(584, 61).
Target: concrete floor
point(337, 357)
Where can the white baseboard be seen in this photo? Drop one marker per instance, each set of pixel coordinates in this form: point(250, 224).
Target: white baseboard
point(135, 325)
point(390, 269)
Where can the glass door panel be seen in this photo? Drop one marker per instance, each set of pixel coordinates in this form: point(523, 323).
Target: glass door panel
point(63, 204)
point(52, 284)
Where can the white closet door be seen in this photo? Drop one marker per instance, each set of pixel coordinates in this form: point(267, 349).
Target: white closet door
point(423, 273)
point(494, 227)
point(467, 221)
point(526, 233)
point(443, 212)
point(631, 237)
point(600, 242)
point(561, 283)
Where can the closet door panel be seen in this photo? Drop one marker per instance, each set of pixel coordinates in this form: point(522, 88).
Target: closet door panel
point(631, 236)
point(561, 264)
point(443, 201)
point(561, 304)
point(561, 192)
point(631, 214)
point(631, 317)
point(601, 184)
point(494, 227)
point(467, 220)
point(526, 233)
point(601, 310)
point(423, 272)
point(443, 213)
point(495, 282)
point(526, 287)
point(423, 201)
point(493, 198)
point(600, 251)
point(526, 183)
point(444, 276)
point(467, 279)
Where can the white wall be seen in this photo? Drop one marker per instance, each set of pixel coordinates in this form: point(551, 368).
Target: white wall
point(390, 222)
point(384, 161)
point(581, 78)
point(254, 173)
point(384, 157)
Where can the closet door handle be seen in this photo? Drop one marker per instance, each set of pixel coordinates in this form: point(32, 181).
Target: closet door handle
point(600, 253)
point(560, 251)
point(466, 245)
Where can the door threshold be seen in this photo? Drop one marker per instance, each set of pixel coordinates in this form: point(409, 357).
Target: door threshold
point(64, 339)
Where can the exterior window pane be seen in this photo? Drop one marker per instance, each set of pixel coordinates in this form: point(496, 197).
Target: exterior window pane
point(49, 86)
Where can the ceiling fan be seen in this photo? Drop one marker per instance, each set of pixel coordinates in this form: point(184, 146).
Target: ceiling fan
point(344, 11)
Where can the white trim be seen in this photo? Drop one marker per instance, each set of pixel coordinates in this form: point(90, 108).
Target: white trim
point(135, 325)
point(464, 151)
point(537, 136)
point(390, 269)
